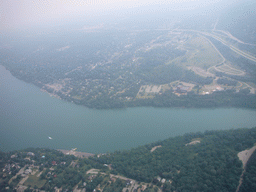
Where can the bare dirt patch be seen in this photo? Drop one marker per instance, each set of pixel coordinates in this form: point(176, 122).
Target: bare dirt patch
point(245, 155)
point(56, 86)
point(229, 70)
point(154, 148)
point(76, 153)
point(193, 142)
point(200, 71)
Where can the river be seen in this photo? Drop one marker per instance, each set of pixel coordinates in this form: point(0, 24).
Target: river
point(28, 117)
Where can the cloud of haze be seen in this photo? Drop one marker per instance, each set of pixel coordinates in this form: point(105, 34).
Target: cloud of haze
point(22, 13)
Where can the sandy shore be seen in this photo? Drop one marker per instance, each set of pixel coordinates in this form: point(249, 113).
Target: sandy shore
point(76, 153)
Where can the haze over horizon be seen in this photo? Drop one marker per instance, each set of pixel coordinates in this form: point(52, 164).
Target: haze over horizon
point(165, 89)
point(27, 13)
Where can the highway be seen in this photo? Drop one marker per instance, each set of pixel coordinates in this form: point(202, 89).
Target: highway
point(233, 48)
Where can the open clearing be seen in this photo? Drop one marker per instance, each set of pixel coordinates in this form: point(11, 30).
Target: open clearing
point(200, 53)
point(154, 148)
point(225, 68)
point(33, 180)
point(76, 153)
point(201, 72)
point(148, 91)
point(245, 155)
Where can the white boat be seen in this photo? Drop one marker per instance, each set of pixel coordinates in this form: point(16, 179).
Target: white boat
point(49, 138)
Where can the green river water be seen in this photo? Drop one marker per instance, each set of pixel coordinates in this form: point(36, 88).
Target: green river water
point(29, 116)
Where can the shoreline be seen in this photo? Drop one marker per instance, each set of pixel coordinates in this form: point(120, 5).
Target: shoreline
point(137, 105)
point(76, 153)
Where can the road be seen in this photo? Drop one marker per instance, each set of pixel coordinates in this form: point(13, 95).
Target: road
point(244, 156)
point(19, 173)
point(133, 183)
point(233, 48)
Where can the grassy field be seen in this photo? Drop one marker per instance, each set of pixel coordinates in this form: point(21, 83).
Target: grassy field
point(230, 70)
point(34, 180)
point(200, 53)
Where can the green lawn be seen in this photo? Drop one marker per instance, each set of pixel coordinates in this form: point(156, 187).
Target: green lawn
point(34, 180)
point(200, 53)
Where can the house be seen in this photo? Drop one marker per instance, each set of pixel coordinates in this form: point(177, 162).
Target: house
point(163, 180)
point(30, 154)
point(128, 182)
point(27, 171)
point(182, 89)
point(54, 163)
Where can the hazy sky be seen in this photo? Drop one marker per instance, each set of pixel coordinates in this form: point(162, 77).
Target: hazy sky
point(21, 13)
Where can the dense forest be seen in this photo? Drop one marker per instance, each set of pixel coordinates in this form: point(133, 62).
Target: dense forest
point(211, 165)
point(193, 162)
point(249, 179)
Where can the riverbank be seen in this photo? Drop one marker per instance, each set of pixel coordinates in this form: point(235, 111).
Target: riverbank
point(98, 131)
point(76, 153)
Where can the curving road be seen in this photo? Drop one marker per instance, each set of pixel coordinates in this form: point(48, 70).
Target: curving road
point(233, 48)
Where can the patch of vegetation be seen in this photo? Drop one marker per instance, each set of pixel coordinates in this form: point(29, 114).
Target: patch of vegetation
point(200, 53)
point(34, 181)
point(249, 177)
point(181, 164)
point(211, 165)
point(228, 82)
